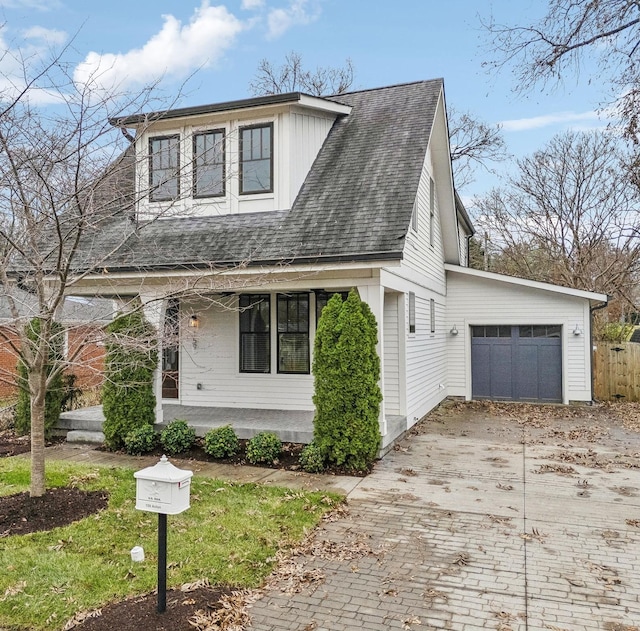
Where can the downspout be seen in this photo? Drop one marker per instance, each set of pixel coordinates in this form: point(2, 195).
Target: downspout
point(591, 310)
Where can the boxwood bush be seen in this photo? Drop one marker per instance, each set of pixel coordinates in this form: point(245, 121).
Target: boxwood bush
point(221, 442)
point(177, 436)
point(141, 440)
point(264, 447)
point(311, 459)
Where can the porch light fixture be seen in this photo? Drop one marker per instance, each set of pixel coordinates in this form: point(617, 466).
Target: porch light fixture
point(454, 330)
point(577, 330)
point(194, 322)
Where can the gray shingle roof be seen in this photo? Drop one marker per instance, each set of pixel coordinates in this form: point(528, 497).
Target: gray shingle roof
point(356, 202)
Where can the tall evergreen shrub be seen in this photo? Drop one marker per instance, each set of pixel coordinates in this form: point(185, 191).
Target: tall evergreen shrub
point(347, 396)
point(127, 395)
point(56, 390)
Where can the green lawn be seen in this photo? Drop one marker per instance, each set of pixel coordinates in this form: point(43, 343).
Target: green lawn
point(230, 535)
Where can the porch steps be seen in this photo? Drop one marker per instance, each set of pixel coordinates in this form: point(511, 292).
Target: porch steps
point(85, 437)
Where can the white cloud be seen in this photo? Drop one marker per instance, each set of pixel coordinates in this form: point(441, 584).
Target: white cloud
point(251, 5)
point(47, 35)
point(298, 12)
point(557, 118)
point(176, 51)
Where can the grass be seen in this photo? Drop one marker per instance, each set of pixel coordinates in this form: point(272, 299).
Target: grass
point(230, 535)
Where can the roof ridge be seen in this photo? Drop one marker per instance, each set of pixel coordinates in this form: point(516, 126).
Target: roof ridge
point(386, 87)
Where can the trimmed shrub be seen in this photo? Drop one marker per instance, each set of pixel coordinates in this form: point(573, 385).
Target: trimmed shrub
point(221, 442)
point(346, 371)
point(141, 440)
point(177, 436)
point(127, 395)
point(311, 459)
point(55, 394)
point(264, 447)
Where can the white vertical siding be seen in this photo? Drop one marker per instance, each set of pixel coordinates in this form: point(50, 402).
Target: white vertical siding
point(472, 300)
point(391, 351)
point(307, 134)
point(463, 247)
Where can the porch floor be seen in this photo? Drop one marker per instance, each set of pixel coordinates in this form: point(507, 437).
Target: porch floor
point(290, 425)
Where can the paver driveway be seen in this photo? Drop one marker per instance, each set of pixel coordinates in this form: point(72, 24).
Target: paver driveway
point(529, 522)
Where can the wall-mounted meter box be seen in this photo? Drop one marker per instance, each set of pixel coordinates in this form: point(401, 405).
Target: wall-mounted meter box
point(163, 488)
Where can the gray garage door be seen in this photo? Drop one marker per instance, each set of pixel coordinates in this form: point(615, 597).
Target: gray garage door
point(517, 363)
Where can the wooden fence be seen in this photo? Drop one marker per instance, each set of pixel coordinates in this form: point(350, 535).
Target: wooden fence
point(616, 371)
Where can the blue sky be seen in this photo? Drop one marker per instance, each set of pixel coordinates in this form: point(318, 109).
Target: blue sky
point(224, 41)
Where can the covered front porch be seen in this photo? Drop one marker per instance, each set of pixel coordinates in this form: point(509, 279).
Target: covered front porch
point(295, 426)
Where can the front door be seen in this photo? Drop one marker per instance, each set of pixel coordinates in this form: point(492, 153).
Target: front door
point(171, 351)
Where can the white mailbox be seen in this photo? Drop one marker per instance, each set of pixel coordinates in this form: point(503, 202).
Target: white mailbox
point(163, 488)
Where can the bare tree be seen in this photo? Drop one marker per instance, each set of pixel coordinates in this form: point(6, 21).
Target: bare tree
point(64, 170)
point(291, 76)
point(474, 144)
point(572, 32)
point(568, 216)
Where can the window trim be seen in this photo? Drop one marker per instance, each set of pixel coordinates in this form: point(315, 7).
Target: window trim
point(152, 186)
point(223, 163)
point(241, 162)
point(297, 296)
point(254, 299)
point(432, 314)
point(432, 211)
point(412, 312)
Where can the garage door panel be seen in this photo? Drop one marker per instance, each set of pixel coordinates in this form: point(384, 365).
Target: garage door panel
point(527, 368)
point(550, 373)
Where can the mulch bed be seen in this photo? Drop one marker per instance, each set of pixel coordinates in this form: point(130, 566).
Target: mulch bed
point(140, 613)
point(21, 514)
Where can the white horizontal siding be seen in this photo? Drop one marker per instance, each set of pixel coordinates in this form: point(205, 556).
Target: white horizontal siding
point(463, 247)
point(426, 359)
point(391, 355)
point(419, 254)
point(472, 300)
point(214, 363)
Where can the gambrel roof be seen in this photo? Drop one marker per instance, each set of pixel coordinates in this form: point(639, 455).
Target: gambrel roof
point(355, 203)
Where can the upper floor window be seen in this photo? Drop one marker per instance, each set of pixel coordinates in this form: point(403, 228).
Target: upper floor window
point(208, 163)
point(256, 159)
point(164, 168)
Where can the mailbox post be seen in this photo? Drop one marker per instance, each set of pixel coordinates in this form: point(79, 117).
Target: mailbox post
point(163, 489)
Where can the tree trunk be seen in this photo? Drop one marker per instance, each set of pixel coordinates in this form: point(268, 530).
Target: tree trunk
point(37, 388)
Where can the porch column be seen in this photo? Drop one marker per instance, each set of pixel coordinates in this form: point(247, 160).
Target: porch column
point(373, 295)
point(154, 307)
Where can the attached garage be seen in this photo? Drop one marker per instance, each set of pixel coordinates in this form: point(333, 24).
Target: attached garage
point(517, 363)
point(513, 339)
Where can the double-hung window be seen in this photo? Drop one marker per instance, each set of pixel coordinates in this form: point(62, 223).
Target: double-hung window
point(255, 346)
point(164, 168)
point(208, 163)
point(293, 333)
point(256, 159)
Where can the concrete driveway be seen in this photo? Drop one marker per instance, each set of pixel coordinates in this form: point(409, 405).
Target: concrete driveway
point(487, 517)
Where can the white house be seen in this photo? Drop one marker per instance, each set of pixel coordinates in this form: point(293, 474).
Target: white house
point(272, 204)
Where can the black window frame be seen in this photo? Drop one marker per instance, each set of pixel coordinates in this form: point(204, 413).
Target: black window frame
point(299, 330)
point(153, 187)
point(247, 305)
point(221, 163)
point(242, 161)
point(323, 297)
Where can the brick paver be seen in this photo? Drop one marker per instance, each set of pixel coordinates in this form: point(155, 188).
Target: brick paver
point(467, 535)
